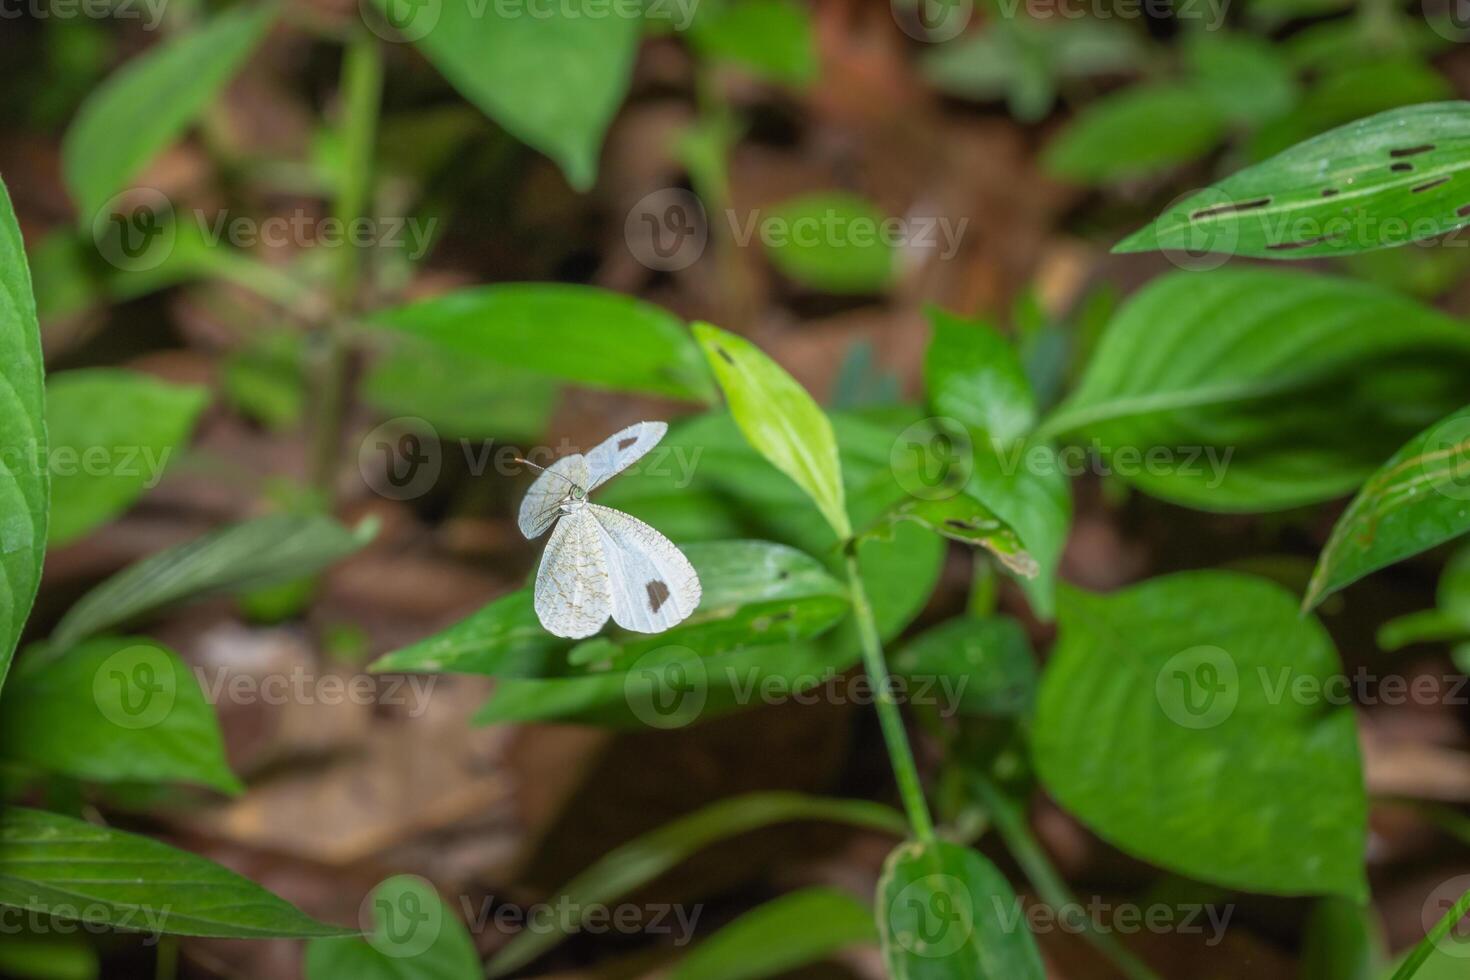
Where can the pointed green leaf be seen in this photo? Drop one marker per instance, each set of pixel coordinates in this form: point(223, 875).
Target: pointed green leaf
point(150, 101)
point(779, 419)
point(780, 936)
point(76, 870)
point(114, 709)
point(1135, 132)
point(24, 479)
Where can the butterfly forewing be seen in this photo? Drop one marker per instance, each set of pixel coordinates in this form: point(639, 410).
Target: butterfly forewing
point(573, 598)
point(622, 449)
point(651, 584)
point(543, 500)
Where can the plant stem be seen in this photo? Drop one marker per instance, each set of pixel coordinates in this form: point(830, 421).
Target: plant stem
point(361, 96)
point(899, 752)
point(1011, 824)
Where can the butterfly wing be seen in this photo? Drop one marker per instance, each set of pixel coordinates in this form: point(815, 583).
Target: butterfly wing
point(572, 593)
point(622, 449)
point(540, 506)
point(652, 585)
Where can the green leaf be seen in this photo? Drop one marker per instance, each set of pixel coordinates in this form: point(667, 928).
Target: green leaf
point(1245, 78)
point(504, 639)
point(779, 420)
point(782, 935)
point(964, 519)
point(973, 374)
point(1442, 950)
point(1254, 389)
point(1171, 721)
point(1386, 180)
point(75, 870)
point(553, 77)
point(987, 664)
point(24, 482)
point(137, 112)
point(1417, 500)
point(833, 242)
point(645, 858)
point(415, 936)
point(113, 432)
point(266, 379)
point(244, 557)
point(575, 333)
point(772, 38)
point(946, 913)
point(1343, 941)
point(1138, 131)
point(114, 709)
point(1362, 88)
point(460, 397)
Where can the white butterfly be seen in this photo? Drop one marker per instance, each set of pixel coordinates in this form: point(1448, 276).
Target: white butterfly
point(600, 561)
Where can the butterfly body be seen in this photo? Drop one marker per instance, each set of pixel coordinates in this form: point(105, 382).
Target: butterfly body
point(600, 562)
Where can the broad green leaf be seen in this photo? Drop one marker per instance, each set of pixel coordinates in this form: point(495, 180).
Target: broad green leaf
point(779, 420)
point(782, 935)
point(76, 870)
point(964, 519)
point(114, 709)
point(24, 479)
point(975, 375)
point(772, 38)
point(1244, 77)
point(240, 558)
point(946, 913)
point(137, 112)
point(1177, 720)
point(1386, 180)
point(574, 333)
point(504, 639)
point(1254, 389)
point(1343, 94)
point(641, 860)
point(986, 664)
point(834, 242)
point(1420, 498)
point(113, 433)
point(1133, 133)
point(460, 397)
point(415, 936)
point(553, 77)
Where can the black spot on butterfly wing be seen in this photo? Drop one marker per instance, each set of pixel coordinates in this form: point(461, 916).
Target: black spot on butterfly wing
point(625, 443)
point(658, 594)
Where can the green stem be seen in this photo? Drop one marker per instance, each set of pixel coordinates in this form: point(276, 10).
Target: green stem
point(1011, 824)
point(889, 718)
point(361, 95)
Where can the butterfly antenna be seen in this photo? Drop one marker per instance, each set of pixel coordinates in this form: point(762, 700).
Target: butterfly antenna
point(527, 462)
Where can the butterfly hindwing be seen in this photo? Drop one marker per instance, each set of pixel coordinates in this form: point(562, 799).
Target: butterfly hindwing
point(543, 501)
point(573, 598)
point(652, 585)
point(622, 449)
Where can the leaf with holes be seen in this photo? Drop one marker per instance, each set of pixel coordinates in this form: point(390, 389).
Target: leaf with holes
point(1255, 389)
point(113, 710)
point(24, 479)
point(1390, 179)
point(57, 865)
point(964, 519)
point(1419, 499)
